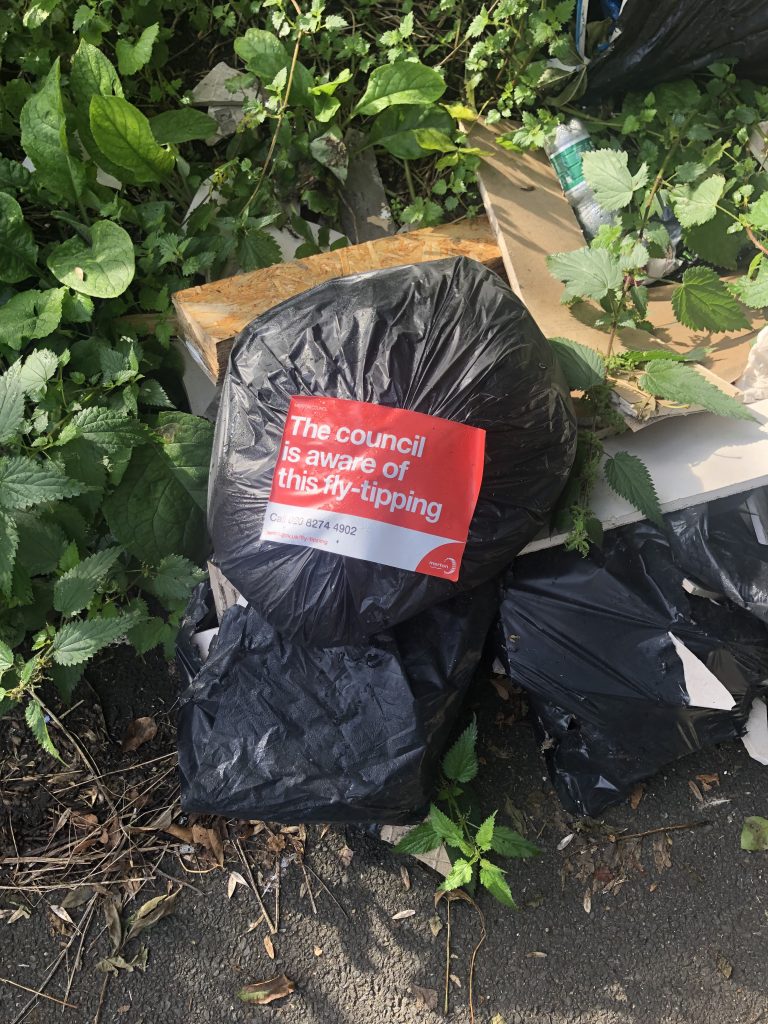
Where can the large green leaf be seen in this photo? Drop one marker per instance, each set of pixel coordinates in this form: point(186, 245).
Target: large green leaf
point(174, 577)
point(394, 129)
point(445, 827)
point(460, 763)
point(79, 640)
point(75, 589)
point(420, 839)
point(108, 429)
point(93, 74)
point(11, 402)
point(30, 315)
point(9, 542)
point(583, 366)
point(460, 874)
point(509, 843)
point(405, 83)
point(104, 268)
point(758, 213)
point(132, 57)
point(628, 476)
point(158, 507)
point(41, 544)
point(330, 150)
point(586, 273)
point(712, 242)
point(184, 125)
point(35, 719)
point(698, 205)
point(25, 482)
point(38, 368)
point(44, 140)
point(680, 382)
point(18, 251)
point(492, 878)
point(606, 171)
point(262, 53)
point(124, 136)
point(484, 835)
point(753, 291)
point(703, 302)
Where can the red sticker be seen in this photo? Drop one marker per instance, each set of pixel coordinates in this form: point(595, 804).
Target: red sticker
point(366, 481)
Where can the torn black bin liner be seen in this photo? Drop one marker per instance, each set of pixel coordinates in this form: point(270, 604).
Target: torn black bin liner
point(447, 338)
point(673, 39)
point(272, 730)
point(723, 545)
point(589, 640)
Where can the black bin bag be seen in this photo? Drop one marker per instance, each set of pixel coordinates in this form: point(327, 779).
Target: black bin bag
point(589, 640)
point(665, 40)
point(447, 338)
point(272, 730)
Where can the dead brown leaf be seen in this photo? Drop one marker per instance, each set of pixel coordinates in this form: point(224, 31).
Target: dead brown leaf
point(140, 731)
point(80, 895)
point(662, 855)
point(435, 925)
point(150, 913)
point(587, 902)
point(405, 876)
point(113, 964)
point(345, 856)
point(114, 922)
point(724, 965)
point(62, 914)
point(636, 795)
point(210, 840)
point(426, 997)
point(125, 1008)
point(498, 684)
point(21, 913)
point(235, 879)
point(270, 947)
point(456, 980)
point(697, 794)
point(402, 914)
point(180, 832)
point(317, 950)
point(264, 992)
point(536, 954)
point(708, 780)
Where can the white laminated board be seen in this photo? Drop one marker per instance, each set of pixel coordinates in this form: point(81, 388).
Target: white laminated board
point(691, 460)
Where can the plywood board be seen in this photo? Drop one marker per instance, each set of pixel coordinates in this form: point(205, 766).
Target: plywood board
point(691, 461)
point(211, 315)
point(532, 219)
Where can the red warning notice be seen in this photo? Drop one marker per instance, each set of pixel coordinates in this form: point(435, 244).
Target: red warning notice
point(366, 481)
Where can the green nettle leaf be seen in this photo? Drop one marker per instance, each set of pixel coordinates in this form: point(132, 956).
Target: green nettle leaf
point(431, 140)
point(484, 836)
point(703, 302)
point(25, 482)
point(104, 268)
point(508, 843)
point(628, 476)
point(257, 249)
point(92, 74)
point(395, 129)
point(492, 878)
point(679, 382)
point(124, 136)
point(158, 506)
point(37, 370)
point(330, 150)
point(132, 57)
point(9, 542)
point(18, 251)
point(405, 83)
point(174, 577)
point(184, 125)
point(153, 394)
point(79, 640)
point(753, 291)
point(6, 658)
point(712, 242)
point(109, 430)
point(586, 273)
point(606, 171)
point(583, 366)
point(44, 139)
point(754, 834)
point(420, 839)
point(697, 205)
point(75, 589)
point(11, 402)
point(446, 829)
point(38, 12)
point(758, 213)
point(35, 719)
point(30, 315)
point(262, 53)
point(460, 874)
point(460, 763)
point(41, 543)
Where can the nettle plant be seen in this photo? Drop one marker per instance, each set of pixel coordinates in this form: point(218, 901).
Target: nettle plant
point(470, 846)
point(683, 148)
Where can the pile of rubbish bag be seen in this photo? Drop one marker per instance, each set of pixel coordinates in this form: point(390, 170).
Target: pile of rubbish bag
point(329, 692)
point(650, 648)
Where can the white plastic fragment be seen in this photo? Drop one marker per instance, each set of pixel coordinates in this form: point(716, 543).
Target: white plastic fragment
point(704, 688)
point(755, 738)
point(753, 383)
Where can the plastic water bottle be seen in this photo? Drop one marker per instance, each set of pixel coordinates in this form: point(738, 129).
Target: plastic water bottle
point(564, 150)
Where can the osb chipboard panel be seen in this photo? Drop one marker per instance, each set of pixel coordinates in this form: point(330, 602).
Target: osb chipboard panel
point(210, 315)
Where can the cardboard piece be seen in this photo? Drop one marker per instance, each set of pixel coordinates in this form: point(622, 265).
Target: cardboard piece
point(211, 315)
point(531, 219)
point(437, 859)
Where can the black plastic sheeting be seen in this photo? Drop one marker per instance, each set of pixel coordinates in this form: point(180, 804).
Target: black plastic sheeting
point(447, 338)
point(588, 639)
point(671, 39)
point(272, 730)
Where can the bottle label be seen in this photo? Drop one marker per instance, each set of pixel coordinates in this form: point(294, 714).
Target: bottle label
point(567, 164)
